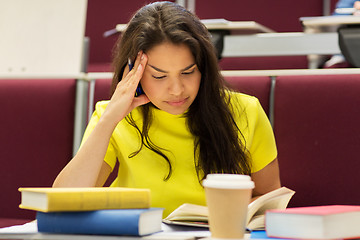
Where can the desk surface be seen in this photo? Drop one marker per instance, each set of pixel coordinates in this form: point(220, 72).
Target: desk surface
point(292, 72)
point(230, 73)
point(29, 231)
point(237, 27)
point(328, 23)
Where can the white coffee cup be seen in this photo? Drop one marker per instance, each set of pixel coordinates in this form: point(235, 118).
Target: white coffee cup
point(228, 197)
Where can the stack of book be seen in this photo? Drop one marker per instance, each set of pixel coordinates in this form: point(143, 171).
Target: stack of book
point(100, 211)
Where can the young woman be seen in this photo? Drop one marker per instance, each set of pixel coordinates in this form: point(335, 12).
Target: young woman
point(186, 124)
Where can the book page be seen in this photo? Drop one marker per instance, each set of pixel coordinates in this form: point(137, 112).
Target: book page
point(196, 215)
point(27, 228)
point(277, 199)
point(188, 212)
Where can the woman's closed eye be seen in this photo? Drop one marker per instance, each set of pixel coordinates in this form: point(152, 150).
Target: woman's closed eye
point(158, 77)
point(189, 72)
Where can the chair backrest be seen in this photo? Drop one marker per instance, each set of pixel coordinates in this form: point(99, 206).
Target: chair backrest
point(103, 92)
point(102, 89)
point(258, 86)
point(316, 124)
point(37, 125)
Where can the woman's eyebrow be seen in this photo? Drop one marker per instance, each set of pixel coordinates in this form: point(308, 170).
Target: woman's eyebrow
point(163, 71)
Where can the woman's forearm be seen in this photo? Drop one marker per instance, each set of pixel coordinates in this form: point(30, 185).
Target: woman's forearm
point(87, 168)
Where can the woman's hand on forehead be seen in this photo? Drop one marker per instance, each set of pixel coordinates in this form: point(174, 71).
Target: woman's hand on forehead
point(123, 100)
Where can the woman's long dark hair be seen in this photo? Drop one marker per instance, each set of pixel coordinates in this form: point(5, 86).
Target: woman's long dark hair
point(219, 144)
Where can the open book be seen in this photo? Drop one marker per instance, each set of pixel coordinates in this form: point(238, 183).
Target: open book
point(196, 215)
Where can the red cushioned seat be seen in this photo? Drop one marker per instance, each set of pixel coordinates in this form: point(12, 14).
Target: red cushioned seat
point(258, 86)
point(316, 123)
point(7, 222)
point(102, 90)
point(37, 125)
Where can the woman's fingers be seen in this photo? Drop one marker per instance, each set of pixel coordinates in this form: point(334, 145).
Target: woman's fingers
point(123, 101)
point(140, 100)
point(133, 77)
point(138, 69)
point(126, 88)
point(137, 60)
point(133, 64)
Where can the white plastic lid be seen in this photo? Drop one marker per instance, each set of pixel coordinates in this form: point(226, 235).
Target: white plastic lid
point(228, 181)
point(227, 176)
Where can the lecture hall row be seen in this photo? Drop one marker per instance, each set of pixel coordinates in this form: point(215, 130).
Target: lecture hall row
point(314, 115)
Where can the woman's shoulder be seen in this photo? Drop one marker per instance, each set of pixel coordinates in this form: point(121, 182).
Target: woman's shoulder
point(245, 100)
point(100, 107)
point(245, 106)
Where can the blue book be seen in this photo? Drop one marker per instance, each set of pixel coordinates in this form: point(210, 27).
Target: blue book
point(260, 234)
point(132, 222)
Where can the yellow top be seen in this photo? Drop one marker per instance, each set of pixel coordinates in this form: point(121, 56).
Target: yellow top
point(147, 169)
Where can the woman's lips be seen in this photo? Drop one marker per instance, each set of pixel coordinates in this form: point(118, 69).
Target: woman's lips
point(177, 102)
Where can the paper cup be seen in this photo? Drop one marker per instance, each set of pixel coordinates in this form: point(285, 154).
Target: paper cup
point(227, 197)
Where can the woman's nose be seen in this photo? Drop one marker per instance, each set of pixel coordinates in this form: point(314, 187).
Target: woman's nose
point(176, 87)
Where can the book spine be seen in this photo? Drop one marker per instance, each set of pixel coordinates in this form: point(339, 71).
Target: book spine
point(101, 222)
point(88, 201)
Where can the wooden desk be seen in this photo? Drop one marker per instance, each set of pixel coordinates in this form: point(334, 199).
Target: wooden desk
point(250, 39)
point(291, 72)
point(236, 27)
point(325, 24)
point(280, 44)
point(221, 29)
